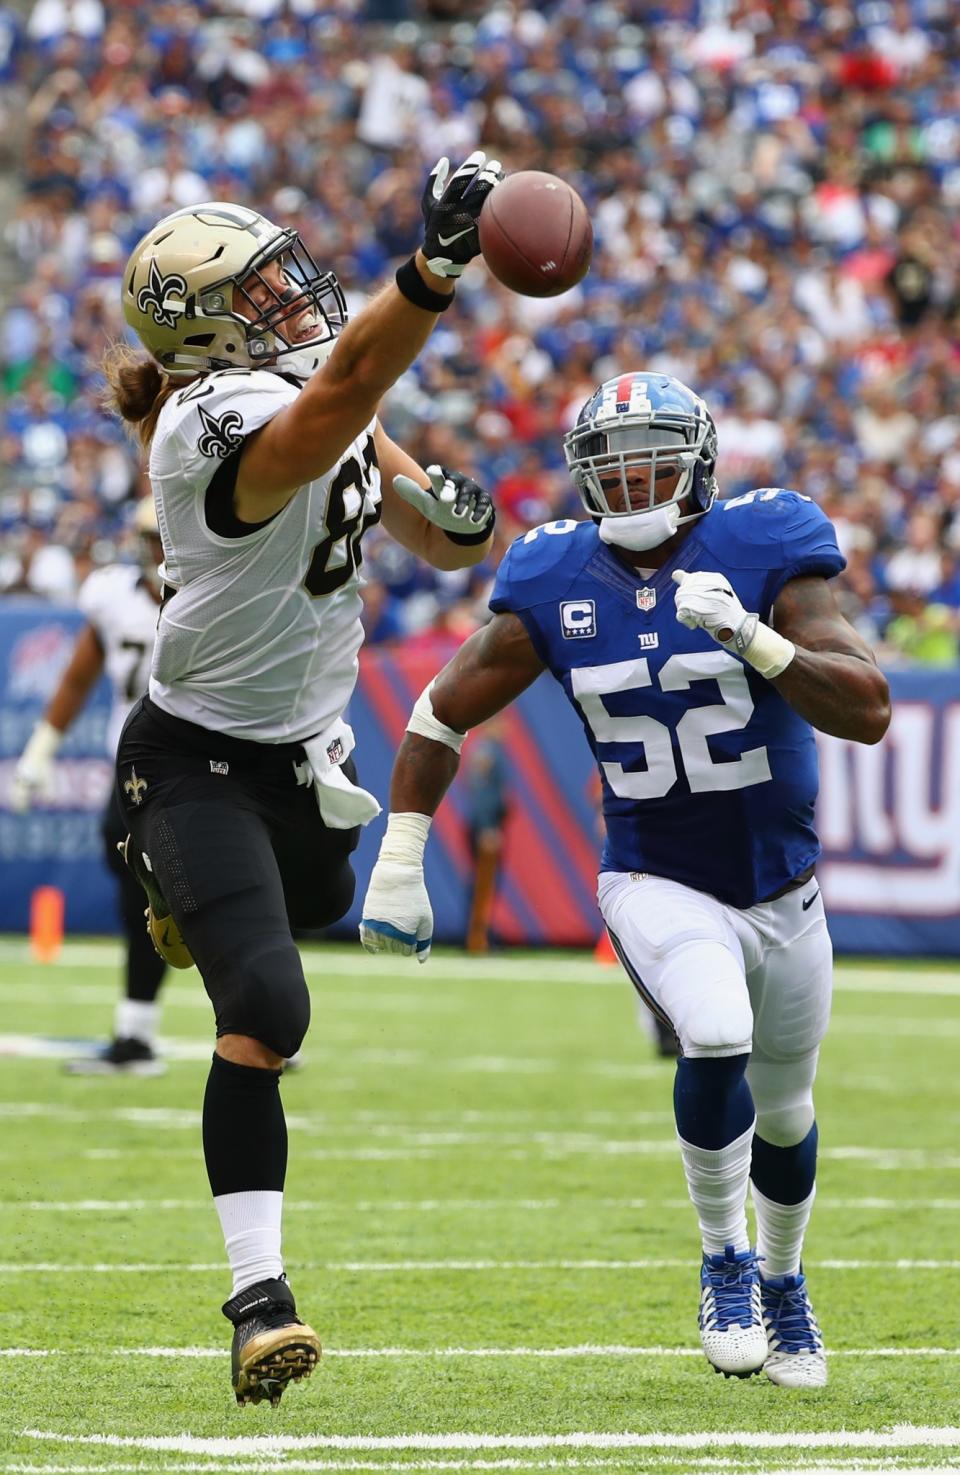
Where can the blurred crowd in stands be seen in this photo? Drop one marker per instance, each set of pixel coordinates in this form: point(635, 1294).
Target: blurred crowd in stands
point(775, 189)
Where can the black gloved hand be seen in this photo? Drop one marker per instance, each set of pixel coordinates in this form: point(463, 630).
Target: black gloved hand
point(452, 502)
point(451, 211)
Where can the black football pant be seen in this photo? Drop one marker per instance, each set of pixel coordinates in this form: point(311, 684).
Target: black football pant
point(242, 856)
point(144, 968)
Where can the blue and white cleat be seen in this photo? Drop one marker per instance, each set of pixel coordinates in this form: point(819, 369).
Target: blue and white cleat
point(731, 1325)
point(796, 1358)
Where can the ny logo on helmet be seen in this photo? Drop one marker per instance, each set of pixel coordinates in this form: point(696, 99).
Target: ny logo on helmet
point(153, 297)
point(222, 436)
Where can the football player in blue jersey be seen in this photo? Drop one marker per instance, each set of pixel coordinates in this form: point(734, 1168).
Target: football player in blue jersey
point(700, 643)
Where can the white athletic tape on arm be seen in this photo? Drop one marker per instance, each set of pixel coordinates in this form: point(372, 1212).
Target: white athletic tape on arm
point(425, 724)
point(769, 653)
point(43, 742)
point(405, 838)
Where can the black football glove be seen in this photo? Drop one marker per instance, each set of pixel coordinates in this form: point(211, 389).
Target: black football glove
point(451, 211)
point(452, 502)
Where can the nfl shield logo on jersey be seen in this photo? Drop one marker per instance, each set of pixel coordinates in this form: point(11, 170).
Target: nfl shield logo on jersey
point(646, 598)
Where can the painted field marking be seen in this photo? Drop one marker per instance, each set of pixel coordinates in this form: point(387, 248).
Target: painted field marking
point(416, 1267)
point(447, 1205)
point(559, 968)
point(840, 1465)
point(551, 1144)
point(898, 1436)
point(584, 1350)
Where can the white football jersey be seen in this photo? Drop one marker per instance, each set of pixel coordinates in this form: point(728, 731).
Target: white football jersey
point(123, 613)
point(260, 639)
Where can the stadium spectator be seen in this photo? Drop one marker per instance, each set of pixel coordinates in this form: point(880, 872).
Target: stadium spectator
point(774, 190)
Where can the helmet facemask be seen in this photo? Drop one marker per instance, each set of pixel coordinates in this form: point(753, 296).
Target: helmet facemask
point(616, 471)
point(273, 334)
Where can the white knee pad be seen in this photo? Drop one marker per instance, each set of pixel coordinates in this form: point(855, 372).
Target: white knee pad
point(783, 1096)
point(707, 1002)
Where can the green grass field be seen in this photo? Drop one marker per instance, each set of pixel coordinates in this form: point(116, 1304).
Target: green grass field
point(486, 1223)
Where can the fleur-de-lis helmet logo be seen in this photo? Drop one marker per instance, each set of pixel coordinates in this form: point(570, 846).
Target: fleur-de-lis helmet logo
point(153, 296)
point(222, 436)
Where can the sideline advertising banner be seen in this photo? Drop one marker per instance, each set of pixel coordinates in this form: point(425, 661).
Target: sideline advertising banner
point(889, 816)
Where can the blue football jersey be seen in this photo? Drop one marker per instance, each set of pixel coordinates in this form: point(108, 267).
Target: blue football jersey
point(709, 777)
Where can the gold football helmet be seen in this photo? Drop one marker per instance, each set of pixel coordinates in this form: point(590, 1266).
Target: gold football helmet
point(187, 277)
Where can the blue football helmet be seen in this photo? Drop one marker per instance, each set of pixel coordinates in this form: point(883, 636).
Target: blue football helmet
point(649, 422)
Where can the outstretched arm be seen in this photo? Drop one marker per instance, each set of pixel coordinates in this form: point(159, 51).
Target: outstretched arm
point(833, 680)
point(491, 668)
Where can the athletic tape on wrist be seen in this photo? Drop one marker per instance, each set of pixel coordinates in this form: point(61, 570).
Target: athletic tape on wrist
point(43, 742)
point(425, 724)
point(768, 652)
point(405, 838)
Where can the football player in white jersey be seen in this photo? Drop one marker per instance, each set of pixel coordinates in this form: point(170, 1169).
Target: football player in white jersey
point(258, 405)
point(121, 604)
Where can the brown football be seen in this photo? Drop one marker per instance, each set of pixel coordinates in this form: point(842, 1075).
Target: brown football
point(535, 234)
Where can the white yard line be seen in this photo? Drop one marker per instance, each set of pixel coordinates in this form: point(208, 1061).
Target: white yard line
point(554, 968)
point(417, 1267)
point(584, 1350)
point(839, 1466)
point(449, 1205)
point(534, 1143)
point(899, 1436)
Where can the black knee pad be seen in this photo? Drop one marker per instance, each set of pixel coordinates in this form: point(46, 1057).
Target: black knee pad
point(263, 993)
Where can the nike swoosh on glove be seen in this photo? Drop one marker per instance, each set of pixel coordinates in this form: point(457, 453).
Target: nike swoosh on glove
point(397, 916)
point(707, 601)
point(452, 502)
point(451, 210)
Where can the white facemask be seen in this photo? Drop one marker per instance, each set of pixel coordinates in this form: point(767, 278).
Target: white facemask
point(641, 530)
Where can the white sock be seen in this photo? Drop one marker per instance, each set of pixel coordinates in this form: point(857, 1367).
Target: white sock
point(717, 1179)
point(136, 1020)
point(251, 1232)
point(780, 1231)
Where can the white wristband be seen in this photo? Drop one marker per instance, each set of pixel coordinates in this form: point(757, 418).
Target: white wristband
point(425, 724)
point(768, 652)
point(405, 838)
point(43, 743)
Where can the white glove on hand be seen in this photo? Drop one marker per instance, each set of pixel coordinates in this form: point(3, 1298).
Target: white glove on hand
point(33, 775)
point(397, 916)
point(452, 502)
point(706, 601)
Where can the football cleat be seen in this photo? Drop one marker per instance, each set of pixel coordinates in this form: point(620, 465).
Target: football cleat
point(271, 1345)
point(796, 1357)
point(731, 1324)
point(161, 928)
point(127, 1057)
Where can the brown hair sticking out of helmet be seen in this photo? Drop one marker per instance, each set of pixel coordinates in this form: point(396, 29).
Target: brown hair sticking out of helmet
point(137, 389)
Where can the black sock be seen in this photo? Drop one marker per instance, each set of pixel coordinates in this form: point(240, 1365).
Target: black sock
point(244, 1130)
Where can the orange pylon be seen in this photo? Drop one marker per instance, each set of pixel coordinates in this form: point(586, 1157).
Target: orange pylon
point(603, 952)
point(46, 923)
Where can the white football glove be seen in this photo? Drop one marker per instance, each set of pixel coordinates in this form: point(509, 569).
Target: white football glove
point(397, 916)
point(33, 775)
point(706, 601)
point(452, 502)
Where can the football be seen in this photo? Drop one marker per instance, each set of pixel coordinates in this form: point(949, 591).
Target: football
point(535, 234)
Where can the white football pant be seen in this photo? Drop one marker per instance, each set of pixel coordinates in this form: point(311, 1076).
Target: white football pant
point(732, 982)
